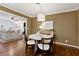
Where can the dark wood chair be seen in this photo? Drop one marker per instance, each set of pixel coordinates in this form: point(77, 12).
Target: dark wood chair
point(46, 47)
point(30, 44)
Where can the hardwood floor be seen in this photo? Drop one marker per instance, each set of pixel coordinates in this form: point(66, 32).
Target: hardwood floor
point(61, 50)
point(17, 48)
point(14, 48)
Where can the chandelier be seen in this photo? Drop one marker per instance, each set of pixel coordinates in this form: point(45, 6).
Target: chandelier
point(40, 16)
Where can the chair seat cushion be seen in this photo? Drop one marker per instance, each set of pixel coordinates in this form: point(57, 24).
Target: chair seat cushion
point(30, 42)
point(46, 46)
point(47, 41)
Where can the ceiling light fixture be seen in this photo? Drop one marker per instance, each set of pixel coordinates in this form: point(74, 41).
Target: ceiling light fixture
point(40, 16)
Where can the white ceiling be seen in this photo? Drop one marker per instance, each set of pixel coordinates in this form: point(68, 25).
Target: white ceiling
point(32, 9)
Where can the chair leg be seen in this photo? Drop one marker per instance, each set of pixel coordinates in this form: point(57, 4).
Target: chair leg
point(52, 49)
point(33, 50)
point(26, 50)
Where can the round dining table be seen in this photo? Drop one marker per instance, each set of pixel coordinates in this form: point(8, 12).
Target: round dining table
point(38, 37)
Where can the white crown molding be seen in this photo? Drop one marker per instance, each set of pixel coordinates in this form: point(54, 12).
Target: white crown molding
point(59, 12)
point(13, 9)
point(63, 11)
point(9, 15)
point(6, 13)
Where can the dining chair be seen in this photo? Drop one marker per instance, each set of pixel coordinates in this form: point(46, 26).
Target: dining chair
point(46, 45)
point(30, 44)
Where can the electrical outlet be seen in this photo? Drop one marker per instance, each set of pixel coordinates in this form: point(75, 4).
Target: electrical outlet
point(66, 41)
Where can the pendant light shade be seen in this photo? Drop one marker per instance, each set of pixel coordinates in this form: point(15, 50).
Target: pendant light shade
point(41, 17)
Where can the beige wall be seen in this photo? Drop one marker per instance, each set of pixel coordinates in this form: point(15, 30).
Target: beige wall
point(65, 26)
point(34, 26)
point(29, 26)
point(19, 14)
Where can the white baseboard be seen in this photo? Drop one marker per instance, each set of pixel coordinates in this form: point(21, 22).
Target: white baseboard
point(67, 45)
